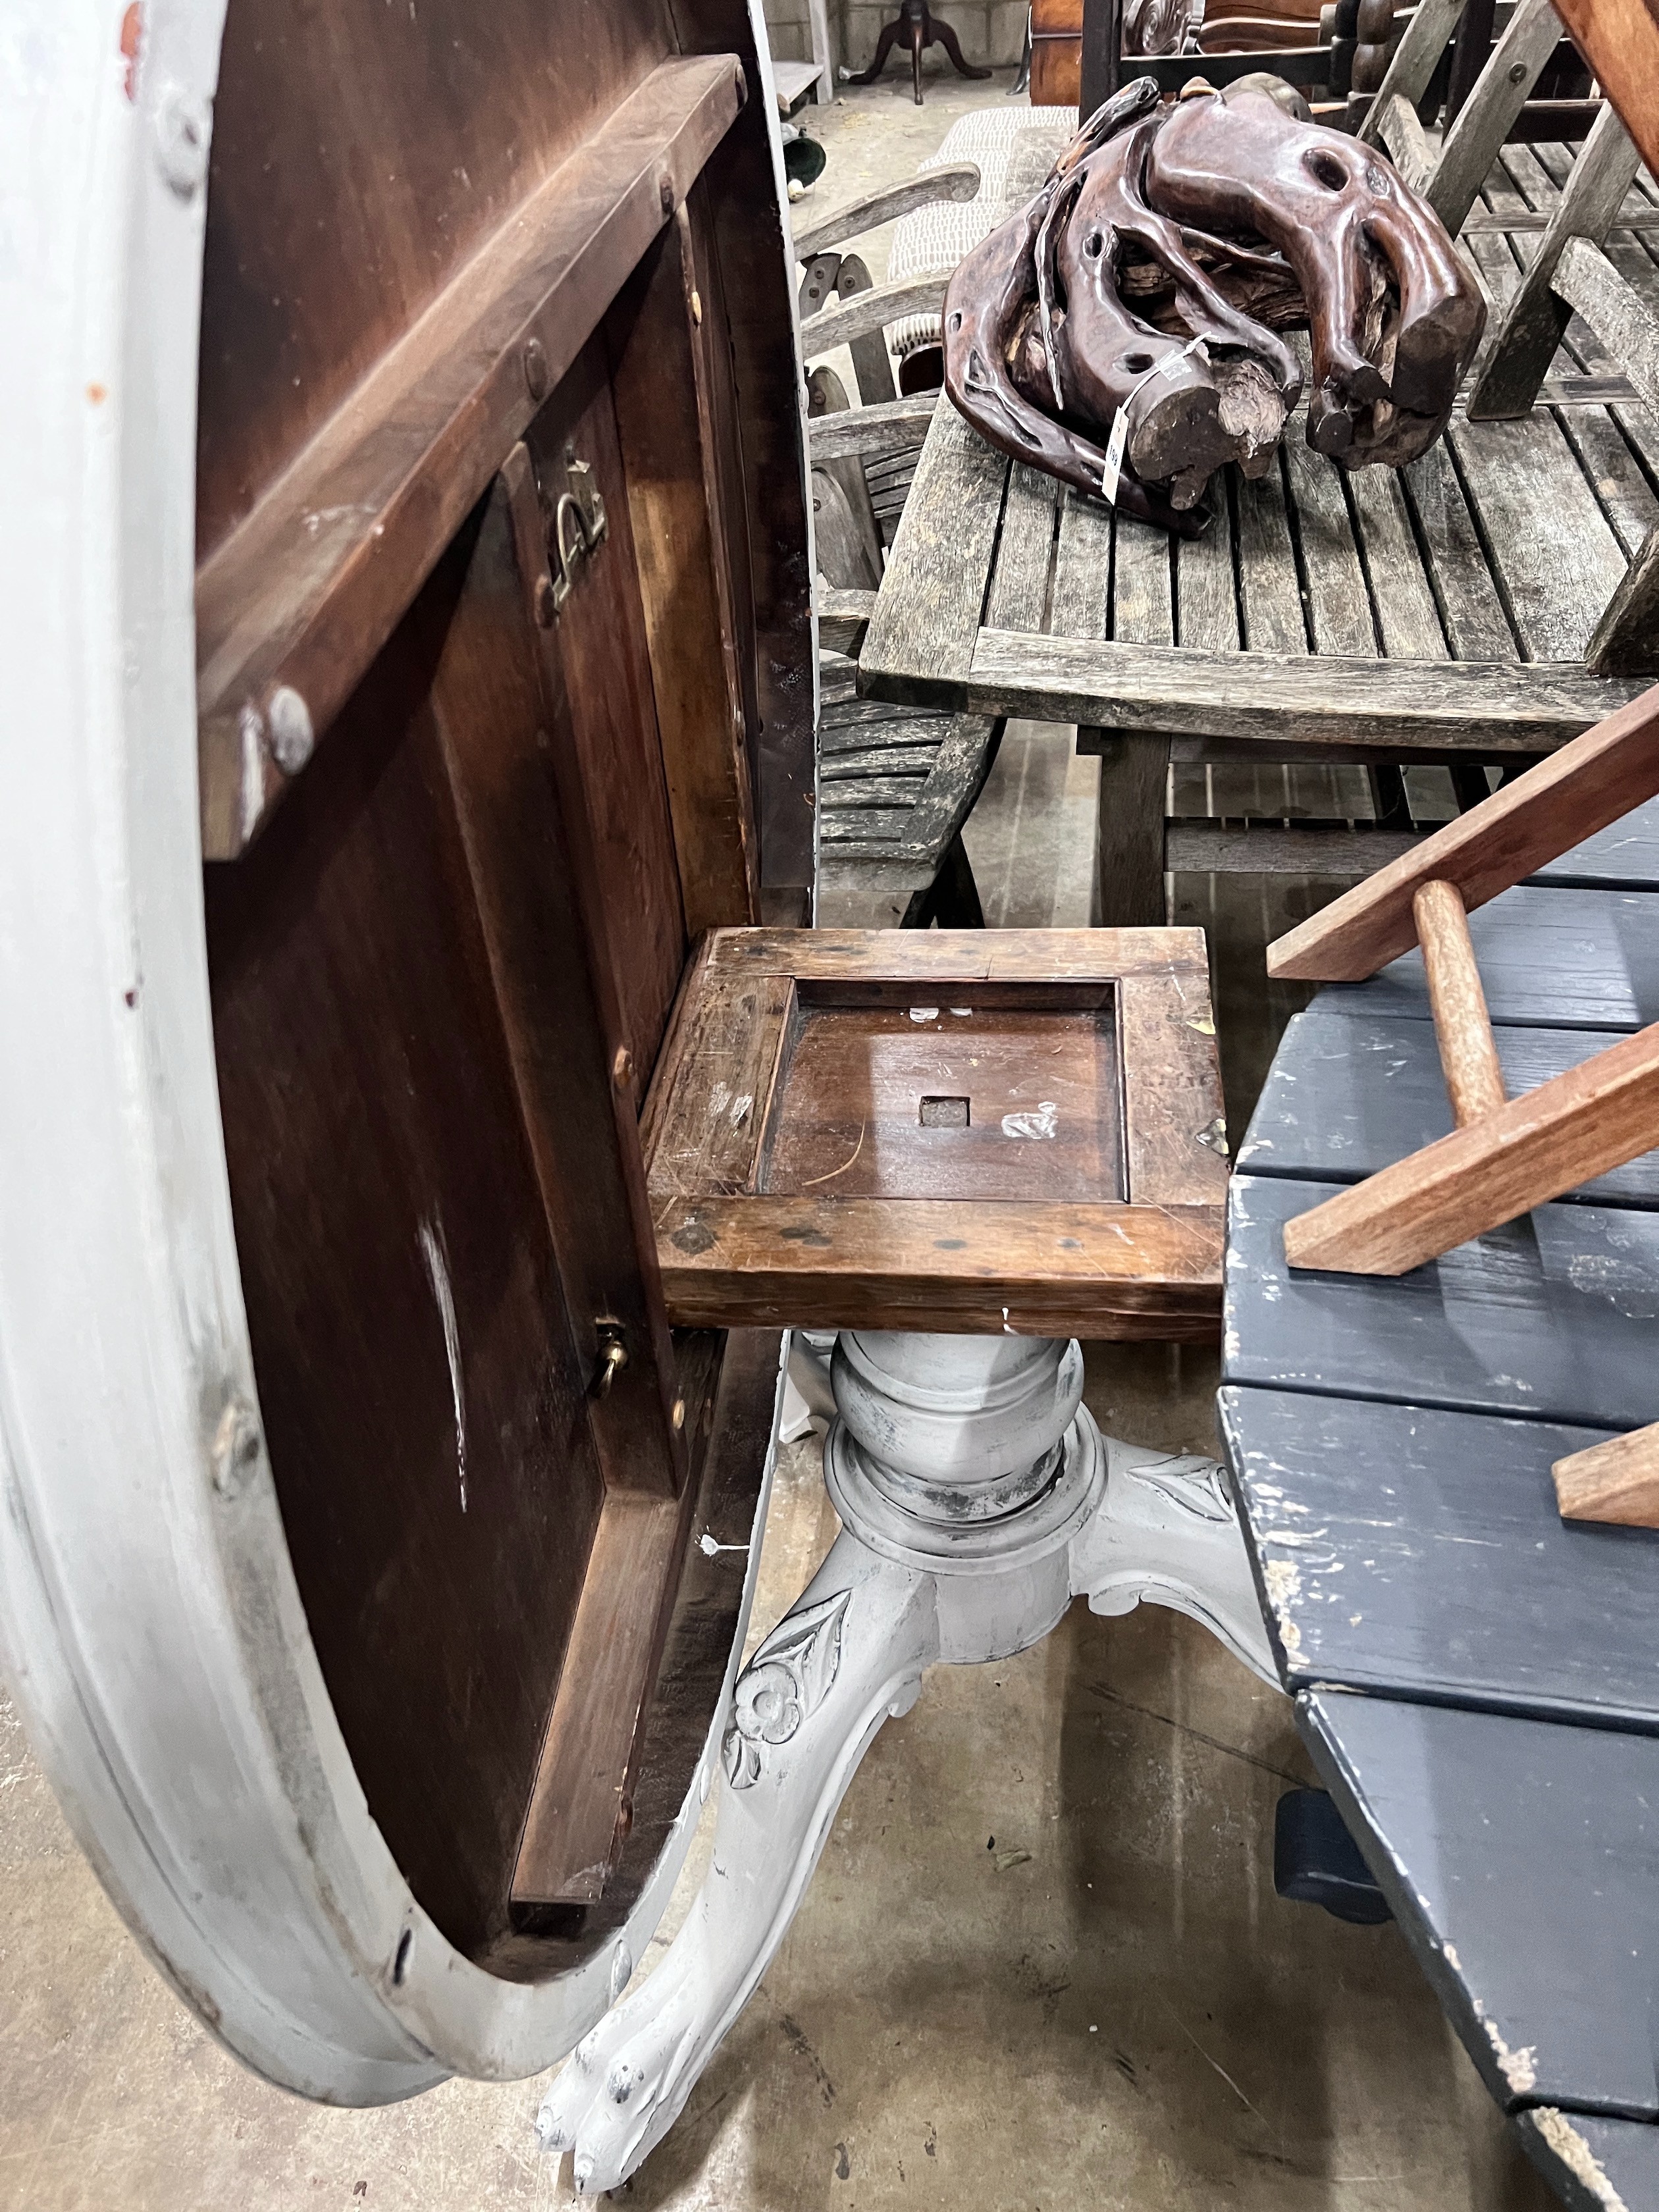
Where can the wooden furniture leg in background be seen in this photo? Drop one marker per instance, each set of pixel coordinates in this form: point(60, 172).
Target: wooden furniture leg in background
point(915, 24)
point(977, 1498)
point(1129, 858)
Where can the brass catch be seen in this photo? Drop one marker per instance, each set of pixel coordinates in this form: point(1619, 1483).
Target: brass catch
point(613, 1358)
point(579, 525)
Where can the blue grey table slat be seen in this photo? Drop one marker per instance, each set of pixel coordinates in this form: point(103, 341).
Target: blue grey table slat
point(1415, 1552)
point(1550, 957)
point(1521, 1860)
point(1554, 1318)
point(1351, 1091)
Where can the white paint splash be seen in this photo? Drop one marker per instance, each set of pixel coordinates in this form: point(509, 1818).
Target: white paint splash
point(1518, 2067)
point(437, 1273)
point(1042, 1123)
point(707, 1546)
point(924, 1013)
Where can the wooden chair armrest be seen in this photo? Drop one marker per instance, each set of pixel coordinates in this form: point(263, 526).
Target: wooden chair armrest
point(960, 181)
point(864, 432)
point(871, 311)
point(1415, 60)
point(1403, 137)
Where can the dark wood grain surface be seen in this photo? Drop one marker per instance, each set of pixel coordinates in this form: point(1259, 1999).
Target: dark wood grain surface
point(726, 1497)
point(379, 1166)
point(669, 378)
point(510, 750)
point(604, 672)
point(441, 978)
point(931, 1102)
point(1014, 1128)
point(1124, 1272)
point(304, 569)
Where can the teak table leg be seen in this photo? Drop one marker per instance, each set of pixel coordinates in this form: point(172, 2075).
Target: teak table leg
point(977, 1498)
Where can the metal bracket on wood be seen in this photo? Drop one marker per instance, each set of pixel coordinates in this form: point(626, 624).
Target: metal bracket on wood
point(579, 527)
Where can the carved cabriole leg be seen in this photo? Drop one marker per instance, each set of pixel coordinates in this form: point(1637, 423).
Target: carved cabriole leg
point(807, 1709)
point(1167, 1532)
point(977, 1498)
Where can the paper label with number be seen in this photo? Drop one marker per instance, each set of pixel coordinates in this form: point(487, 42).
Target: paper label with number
point(1114, 445)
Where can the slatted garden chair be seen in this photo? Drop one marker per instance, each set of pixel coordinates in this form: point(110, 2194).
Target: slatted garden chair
point(1437, 615)
point(894, 786)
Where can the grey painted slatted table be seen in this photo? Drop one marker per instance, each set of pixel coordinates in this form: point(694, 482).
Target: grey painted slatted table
point(1478, 1681)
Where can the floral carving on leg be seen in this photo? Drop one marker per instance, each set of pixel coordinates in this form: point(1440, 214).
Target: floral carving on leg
point(783, 1685)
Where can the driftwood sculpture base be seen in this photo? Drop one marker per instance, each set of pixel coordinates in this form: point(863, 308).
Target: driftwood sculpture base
point(1123, 330)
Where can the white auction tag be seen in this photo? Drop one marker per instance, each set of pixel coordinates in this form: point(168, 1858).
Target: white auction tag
point(1114, 445)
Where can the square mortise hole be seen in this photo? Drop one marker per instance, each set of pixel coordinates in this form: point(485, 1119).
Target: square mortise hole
point(945, 1113)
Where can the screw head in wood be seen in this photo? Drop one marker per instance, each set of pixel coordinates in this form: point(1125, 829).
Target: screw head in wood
point(546, 605)
point(534, 370)
point(293, 739)
point(622, 1068)
point(235, 1448)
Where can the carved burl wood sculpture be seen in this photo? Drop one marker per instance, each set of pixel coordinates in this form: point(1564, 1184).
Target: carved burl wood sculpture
point(1152, 275)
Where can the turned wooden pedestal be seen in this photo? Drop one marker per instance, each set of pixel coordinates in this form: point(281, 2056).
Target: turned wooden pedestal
point(977, 1498)
point(1012, 1136)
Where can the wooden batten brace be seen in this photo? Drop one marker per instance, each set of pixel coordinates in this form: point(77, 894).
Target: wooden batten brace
point(1505, 1156)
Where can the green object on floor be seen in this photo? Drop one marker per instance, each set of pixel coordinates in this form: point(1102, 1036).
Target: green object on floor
point(803, 160)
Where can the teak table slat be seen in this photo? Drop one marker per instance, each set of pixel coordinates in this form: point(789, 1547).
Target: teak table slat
point(1477, 1679)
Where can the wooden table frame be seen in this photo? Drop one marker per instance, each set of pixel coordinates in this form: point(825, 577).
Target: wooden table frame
point(1144, 1265)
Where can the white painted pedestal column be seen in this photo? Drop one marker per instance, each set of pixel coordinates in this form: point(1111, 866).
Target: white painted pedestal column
point(977, 1498)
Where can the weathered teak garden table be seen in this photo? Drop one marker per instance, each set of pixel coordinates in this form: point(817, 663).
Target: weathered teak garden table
point(1478, 1681)
point(1441, 614)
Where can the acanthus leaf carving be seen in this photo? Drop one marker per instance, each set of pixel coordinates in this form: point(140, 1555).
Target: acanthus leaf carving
point(783, 1686)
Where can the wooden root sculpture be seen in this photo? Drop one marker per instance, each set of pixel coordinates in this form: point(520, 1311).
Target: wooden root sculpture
point(1150, 280)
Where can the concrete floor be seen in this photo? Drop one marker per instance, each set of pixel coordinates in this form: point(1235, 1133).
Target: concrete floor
point(1041, 1963)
